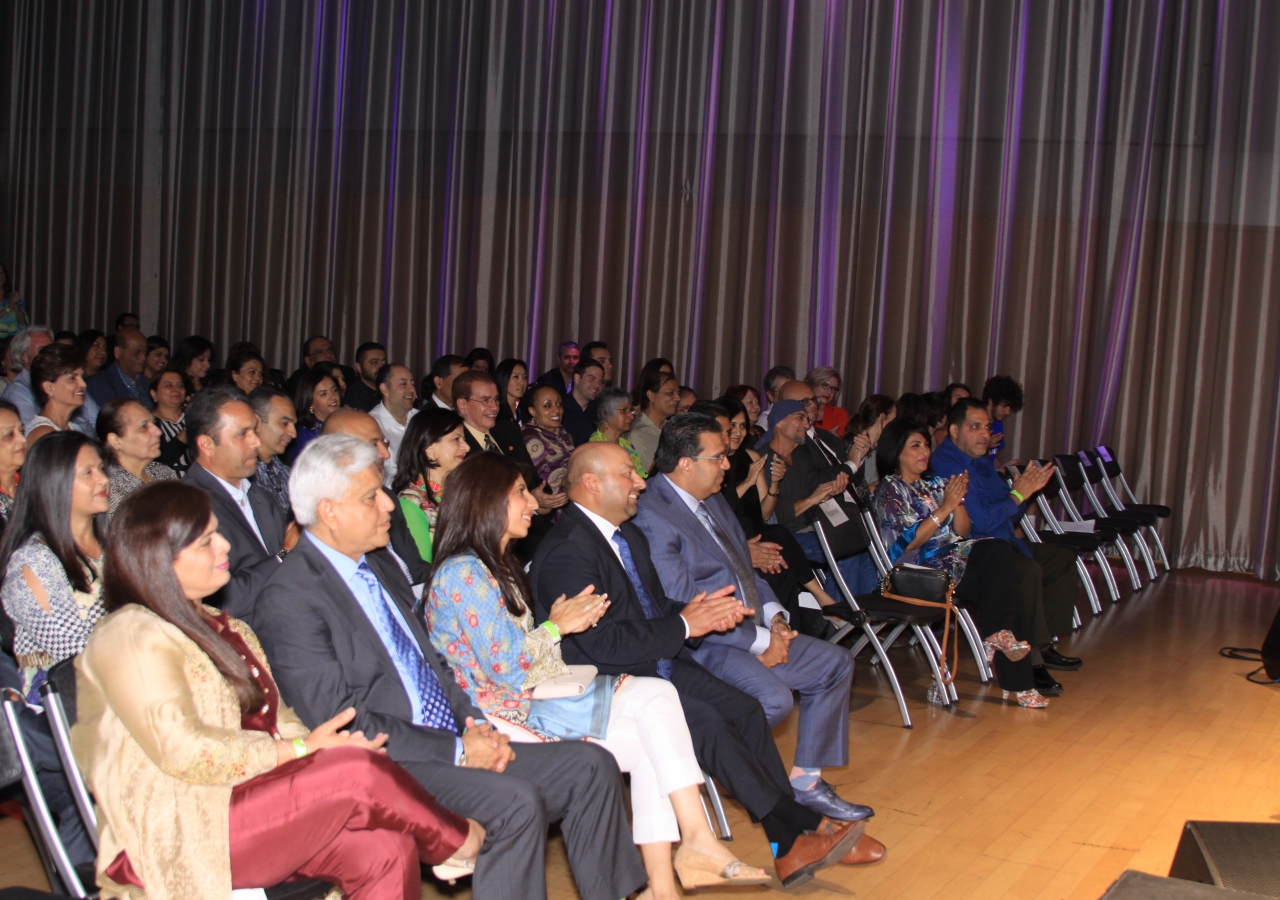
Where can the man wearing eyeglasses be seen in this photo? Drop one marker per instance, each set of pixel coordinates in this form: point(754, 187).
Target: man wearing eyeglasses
point(696, 544)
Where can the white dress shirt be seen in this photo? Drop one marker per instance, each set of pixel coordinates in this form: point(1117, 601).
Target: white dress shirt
point(240, 494)
point(393, 431)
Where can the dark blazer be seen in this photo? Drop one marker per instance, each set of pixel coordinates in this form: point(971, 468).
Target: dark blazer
point(404, 545)
point(574, 555)
point(510, 444)
point(327, 656)
point(556, 379)
point(109, 384)
point(579, 422)
point(251, 563)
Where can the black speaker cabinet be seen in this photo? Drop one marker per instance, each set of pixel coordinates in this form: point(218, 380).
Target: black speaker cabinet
point(1243, 856)
point(1141, 886)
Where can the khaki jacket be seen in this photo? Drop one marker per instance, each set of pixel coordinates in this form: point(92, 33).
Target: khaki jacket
point(158, 738)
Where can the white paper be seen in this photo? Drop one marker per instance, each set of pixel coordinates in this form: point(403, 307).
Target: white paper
point(835, 515)
point(1086, 527)
point(808, 601)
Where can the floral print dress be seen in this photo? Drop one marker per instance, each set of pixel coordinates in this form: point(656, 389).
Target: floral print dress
point(550, 452)
point(901, 507)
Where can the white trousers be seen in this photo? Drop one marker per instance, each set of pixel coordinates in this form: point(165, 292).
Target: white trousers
point(649, 738)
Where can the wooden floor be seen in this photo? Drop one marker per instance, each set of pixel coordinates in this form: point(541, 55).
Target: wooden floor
point(996, 801)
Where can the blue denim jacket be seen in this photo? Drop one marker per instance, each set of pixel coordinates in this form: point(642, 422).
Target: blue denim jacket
point(991, 509)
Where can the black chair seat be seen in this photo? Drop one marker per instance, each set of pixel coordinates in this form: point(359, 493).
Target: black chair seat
point(1076, 540)
point(1161, 512)
point(886, 609)
point(1146, 517)
point(1119, 524)
point(310, 889)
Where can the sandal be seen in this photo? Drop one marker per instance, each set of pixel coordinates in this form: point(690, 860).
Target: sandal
point(1006, 643)
point(696, 870)
point(1031, 699)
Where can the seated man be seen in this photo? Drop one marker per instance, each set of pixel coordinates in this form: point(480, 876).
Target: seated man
point(644, 633)
point(337, 622)
point(1047, 571)
point(363, 393)
point(696, 544)
point(124, 378)
point(580, 404)
point(277, 428)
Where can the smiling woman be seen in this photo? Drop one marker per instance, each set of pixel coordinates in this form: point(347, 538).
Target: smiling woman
point(57, 384)
point(549, 445)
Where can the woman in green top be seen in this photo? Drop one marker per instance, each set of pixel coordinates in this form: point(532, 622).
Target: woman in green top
point(434, 444)
point(614, 415)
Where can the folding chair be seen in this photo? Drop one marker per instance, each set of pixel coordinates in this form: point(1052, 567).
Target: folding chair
point(1082, 544)
point(1111, 468)
point(59, 696)
point(1091, 469)
point(1071, 478)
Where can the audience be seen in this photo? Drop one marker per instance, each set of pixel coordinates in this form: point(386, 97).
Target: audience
point(437, 386)
point(1002, 397)
point(277, 428)
point(1046, 572)
point(774, 379)
point(923, 521)
point(316, 349)
point(130, 441)
point(318, 396)
point(362, 393)
point(548, 443)
point(480, 360)
point(339, 594)
point(956, 391)
point(51, 555)
point(395, 409)
point(13, 309)
point(57, 385)
point(93, 347)
point(600, 352)
point(658, 397)
point(579, 405)
point(223, 431)
point(614, 416)
point(825, 383)
point(596, 547)
point(749, 397)
point(193, 358)
point(13, 452)
point(875, 412)
point(7, 371)
point(123, 378)
point(561, 377)
point(480, 621)
point(246, 369)
point(186, 801)
point(157, 357)
point(688, 397)
point(512, 378)
point(434, 445)
point(336, 372)
point(26, 345)
point(169, 392)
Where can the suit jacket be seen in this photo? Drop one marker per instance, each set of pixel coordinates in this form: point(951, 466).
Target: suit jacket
point(574, 555)
point(556, 379)
point(404, 545)
point(327, 656)
point(510, 444)
point(109, 384)
point(689, 560)
point(251, 563)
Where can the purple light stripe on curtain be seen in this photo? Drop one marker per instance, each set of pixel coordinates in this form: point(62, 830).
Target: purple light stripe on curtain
point(705, 182)
point(828, 182)
point(393, 166)
point(542, 191)
point(640, 152)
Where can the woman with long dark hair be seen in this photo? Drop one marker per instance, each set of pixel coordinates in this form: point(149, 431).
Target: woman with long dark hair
point(317, 398)
point(480, 617)
point(434, 445)
point(863, 431)
point(512, 377)
point(51, 554)
point(193, 358)
point(205, 781)
point(922, 521)
point(91, 344)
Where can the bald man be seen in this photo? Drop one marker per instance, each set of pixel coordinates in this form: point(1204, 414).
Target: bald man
point(124, 378)
point(645, 633)
point(403, 547)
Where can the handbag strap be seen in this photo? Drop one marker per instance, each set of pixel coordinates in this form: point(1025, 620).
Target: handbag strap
point(949, 607)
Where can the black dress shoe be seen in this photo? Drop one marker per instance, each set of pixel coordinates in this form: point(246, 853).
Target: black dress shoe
point(1045, 683)
point(1055, 660)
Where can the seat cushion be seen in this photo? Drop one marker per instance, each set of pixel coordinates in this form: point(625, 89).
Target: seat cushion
point(1081, 543)
point(1155, 509)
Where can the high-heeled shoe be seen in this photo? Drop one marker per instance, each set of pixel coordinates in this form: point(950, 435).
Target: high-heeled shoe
point(1031, 699)
point(452, 869)
point(1006, 643)
point(697, 870)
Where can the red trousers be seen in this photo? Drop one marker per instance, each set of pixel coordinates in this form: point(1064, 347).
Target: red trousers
point(345, 815)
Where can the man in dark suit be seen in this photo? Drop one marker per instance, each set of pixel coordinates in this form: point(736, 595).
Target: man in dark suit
point(316, 349)
point(124, 378)
point(223, 429)
point(580, 404)
point(337, 623)
point(697, 544)
point(402, 547)
point(561, 377)
point(644, 633)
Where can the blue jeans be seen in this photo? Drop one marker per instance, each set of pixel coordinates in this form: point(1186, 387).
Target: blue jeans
point(859, 570)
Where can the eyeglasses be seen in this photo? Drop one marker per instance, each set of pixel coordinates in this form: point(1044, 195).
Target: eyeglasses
point(808, 401)
point(715, 459)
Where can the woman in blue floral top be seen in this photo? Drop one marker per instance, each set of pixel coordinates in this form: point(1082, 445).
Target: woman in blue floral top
point(922, 521)
point(479, 615)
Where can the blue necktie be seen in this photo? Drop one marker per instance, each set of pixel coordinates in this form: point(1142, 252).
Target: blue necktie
point(435, 705)
point(650, 608)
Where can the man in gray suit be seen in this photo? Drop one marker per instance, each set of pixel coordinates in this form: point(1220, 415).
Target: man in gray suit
point(697, 543)
point(337, 622)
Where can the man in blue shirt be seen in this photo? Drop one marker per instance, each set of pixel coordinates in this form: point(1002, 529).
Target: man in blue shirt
point(1048, 571)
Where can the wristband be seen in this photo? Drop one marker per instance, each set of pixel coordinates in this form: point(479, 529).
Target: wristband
point(552, 629)
point(299, 748)
point(1021, 499)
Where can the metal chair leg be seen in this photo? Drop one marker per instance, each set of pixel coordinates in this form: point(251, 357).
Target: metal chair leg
point(1107, 575)
point(879, 651)
point(975, 645)
point(1123, 549)
point(1075, 618)
point(933, 664)
point(1089, 589)
point(713, 792)
point(936, 649)
point(1155, 536)
point(1143, 549)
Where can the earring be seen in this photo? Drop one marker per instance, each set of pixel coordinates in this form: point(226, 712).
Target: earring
point(311, 410)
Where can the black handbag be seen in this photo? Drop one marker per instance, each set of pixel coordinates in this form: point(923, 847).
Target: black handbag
point(923, 586)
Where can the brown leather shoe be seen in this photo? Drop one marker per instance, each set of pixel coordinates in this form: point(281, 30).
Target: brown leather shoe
point(814, 850)
point(867, 850)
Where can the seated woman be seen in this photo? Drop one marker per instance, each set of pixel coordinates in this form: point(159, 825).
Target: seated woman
point(549, 445)
point(864, 429)
point(169, 391)
point(13, 452)
point(512, 377)
point(479, 615)
point(246, 369)
point(614, 415)
point(923, 521)
point(749, 397)
point(205, 781)
point(57, 385)
point(91, 344)
point(317, 397)
point(434, 445)
point(825, 383)
point(480, 360)
point(51, 554)
point(658, 397)
point(157, 357)
point(131, 443)
point(192, 359)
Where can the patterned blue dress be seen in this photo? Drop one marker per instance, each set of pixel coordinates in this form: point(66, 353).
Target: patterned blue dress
point(901, 507)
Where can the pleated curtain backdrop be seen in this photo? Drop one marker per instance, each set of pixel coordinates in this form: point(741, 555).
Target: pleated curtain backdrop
point(1084, 194)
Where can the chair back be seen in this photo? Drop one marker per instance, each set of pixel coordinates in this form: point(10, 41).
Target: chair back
point(862, 500)
point(10, 762)
point(1069, 469)
point(1110, 464)
point(1088, 464)
point(59, 695)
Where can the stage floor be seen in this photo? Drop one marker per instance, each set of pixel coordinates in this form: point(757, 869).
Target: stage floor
point(996, 801)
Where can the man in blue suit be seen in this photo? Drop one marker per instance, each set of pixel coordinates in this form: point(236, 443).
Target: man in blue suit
point(697, 545)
